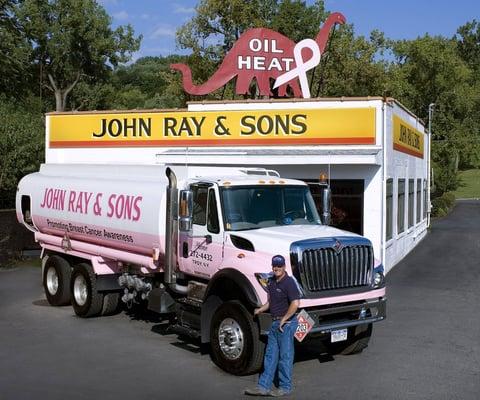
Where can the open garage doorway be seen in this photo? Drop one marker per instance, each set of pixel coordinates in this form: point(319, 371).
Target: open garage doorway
point(347, 202)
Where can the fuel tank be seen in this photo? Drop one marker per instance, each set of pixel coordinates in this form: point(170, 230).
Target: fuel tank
point(118, 206)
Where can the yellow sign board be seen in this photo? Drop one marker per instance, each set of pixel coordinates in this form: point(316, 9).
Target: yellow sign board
point(407, 139)
point(213, 128)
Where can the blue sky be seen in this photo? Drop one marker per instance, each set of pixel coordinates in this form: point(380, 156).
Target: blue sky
point(158, 20)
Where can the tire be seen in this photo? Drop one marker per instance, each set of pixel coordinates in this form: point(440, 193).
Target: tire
point(110, 303)
point(359, 337)
point(56, 281)
point(86, 300)
point(235, 341)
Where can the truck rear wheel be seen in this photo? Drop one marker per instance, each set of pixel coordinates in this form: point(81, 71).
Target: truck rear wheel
point(86, 300)
point(235, 340)
point(56, 281)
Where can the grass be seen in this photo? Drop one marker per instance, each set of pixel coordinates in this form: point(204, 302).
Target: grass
point(469, 185)
point(28, 262)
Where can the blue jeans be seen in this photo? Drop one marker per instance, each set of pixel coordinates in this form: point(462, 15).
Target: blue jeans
point(279, 354)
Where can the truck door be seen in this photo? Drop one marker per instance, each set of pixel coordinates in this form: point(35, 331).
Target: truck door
point(201, 252)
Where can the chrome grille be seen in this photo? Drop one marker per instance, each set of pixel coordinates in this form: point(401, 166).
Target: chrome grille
point(327, 269)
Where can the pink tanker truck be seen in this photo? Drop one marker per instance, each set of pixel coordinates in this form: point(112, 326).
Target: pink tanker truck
point(195, 243)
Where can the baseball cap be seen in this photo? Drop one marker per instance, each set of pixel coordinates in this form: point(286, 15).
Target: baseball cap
point(278, 261)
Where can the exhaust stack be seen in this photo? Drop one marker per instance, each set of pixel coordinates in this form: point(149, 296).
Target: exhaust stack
point(171, 222)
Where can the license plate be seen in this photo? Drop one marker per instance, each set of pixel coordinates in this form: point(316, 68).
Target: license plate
point(338, 336)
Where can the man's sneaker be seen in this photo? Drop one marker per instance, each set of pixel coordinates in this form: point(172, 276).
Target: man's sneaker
point(279, 392)
point(257, 391)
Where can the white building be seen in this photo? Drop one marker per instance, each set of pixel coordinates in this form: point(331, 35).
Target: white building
point(375, 152)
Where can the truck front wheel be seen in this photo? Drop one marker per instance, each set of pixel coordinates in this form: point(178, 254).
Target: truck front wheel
point(86, 300)
point(235, 340)
point(56, 278)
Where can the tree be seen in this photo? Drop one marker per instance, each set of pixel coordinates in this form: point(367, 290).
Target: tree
point(147, 83)
point(21, 145)
point(73, 39)
point(468, 38)
point(352, 66)
point(14, 50)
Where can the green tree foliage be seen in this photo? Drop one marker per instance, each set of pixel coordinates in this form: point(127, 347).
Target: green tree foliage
point(148, 83)
point(431, 70)
point(71, 40)
point(351, 66)
point(14, 50)
point(22, 133)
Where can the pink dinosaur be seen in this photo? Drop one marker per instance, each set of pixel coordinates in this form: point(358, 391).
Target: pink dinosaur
point(242, 49)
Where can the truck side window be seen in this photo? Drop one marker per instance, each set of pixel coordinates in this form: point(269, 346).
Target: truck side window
point(212, 220)
point(200, 205)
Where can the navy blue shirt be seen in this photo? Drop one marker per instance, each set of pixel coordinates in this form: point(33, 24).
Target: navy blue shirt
point(281, 294)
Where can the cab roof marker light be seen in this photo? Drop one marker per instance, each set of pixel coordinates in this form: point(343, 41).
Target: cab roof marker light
point(272, 182)
point(261, 181)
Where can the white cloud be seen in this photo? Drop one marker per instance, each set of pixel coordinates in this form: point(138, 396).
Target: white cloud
point(179, 9)
point(157, 50)
point(163, 31)
point(121, 15)
point(145, 16)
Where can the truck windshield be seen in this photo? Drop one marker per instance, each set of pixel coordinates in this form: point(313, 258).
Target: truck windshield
point(256, 207)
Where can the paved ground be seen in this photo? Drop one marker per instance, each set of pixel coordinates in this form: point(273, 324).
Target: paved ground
point(428, 348)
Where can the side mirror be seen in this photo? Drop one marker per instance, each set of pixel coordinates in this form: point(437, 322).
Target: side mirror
point(326, 205)
point(185, 211)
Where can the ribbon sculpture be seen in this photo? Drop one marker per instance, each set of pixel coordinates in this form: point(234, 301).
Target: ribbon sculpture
point(301, 66)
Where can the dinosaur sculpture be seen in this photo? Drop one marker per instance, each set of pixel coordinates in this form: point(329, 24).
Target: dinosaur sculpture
point(264, 61)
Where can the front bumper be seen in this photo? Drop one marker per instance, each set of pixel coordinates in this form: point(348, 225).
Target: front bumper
point(338, 316)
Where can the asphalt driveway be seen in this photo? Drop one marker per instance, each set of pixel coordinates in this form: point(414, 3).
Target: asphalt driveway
point(428, 348)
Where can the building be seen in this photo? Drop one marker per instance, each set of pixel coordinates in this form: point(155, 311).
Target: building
point(374, 151)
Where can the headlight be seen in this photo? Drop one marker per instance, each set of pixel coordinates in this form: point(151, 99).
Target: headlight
point(263, 278)
point(378, 276)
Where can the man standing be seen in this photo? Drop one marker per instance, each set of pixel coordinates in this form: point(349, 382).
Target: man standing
point(283, 301)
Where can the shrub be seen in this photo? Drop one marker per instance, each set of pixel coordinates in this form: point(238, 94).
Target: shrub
point(442, 205)
point(21, 146)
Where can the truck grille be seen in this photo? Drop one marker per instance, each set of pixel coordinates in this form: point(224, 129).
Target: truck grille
point(328, 268)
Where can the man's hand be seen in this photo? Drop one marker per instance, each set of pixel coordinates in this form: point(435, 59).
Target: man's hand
point(292, 309)
point(261, 309)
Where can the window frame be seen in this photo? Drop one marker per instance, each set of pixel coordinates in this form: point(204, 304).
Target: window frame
point(212, 195)
point(400, 206)
point(411, 203)
point(389, 209)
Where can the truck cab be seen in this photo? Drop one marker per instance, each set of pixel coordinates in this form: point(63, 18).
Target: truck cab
point(234, 227)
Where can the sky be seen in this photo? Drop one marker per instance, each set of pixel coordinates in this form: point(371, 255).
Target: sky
point(158, 20)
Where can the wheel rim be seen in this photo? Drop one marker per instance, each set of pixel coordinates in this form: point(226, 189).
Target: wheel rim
point(80, 290)
point(52, 281)
point(230, 338)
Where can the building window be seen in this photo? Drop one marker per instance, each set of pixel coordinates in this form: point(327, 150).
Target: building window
point(419, 199)
point(389, 201)
point(425, 200)
point(411, 199)
point(401, 206)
